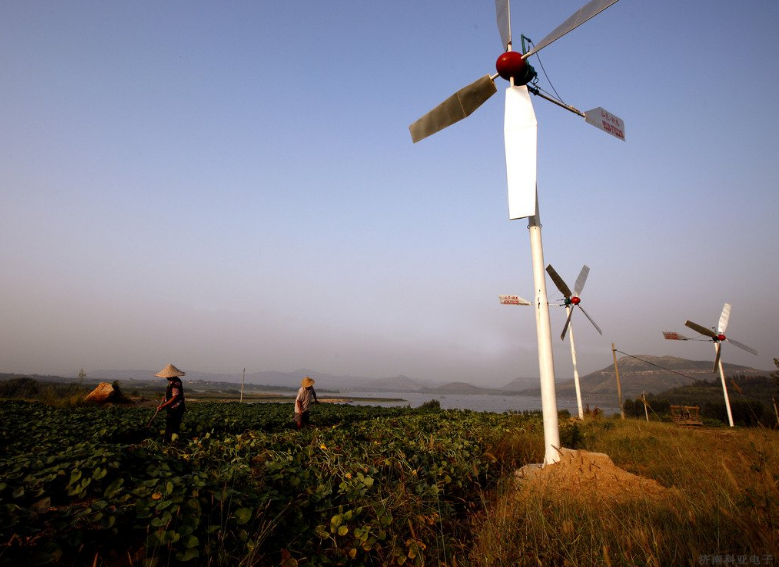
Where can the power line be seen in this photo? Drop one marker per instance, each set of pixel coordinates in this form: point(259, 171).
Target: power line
point(663, 368)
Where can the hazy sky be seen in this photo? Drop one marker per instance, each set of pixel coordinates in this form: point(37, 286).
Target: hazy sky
point(233, 184)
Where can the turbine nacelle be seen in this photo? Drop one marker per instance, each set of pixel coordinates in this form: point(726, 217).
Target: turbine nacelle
point(511, 65)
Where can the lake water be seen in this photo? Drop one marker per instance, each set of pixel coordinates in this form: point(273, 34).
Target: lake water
point(476, 402)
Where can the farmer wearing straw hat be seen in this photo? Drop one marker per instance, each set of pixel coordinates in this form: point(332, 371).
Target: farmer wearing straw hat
point(306, 395)
point(174, 400)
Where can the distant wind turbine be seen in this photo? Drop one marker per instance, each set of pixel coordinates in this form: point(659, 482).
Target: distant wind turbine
point(717, 338)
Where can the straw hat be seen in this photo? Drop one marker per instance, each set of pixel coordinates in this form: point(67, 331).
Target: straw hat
point(170, 371)
point(306, 382)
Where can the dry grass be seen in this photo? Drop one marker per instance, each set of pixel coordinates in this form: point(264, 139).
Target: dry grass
point(721, 506)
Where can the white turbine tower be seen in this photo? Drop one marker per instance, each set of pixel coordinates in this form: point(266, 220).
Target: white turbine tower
point(520, 131)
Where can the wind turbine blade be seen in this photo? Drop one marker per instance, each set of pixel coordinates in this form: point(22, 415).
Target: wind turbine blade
point(578, 287)
point(723, 319)
point(521, 137)
point(461, 104)
point(701, 329)
point(504, 21)
point(589, 10)
point(594, 324)
point(673, 336)
point(742, 346)
point(717, 358)
point(558, 281)
point(567, 322)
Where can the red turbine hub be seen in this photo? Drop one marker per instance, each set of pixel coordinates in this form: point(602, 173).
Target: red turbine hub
point(510, 64)
point(575, 300)
point(721, 337)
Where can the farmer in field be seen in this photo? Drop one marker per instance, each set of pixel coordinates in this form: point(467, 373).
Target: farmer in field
point(306, 396)
point(174, 400)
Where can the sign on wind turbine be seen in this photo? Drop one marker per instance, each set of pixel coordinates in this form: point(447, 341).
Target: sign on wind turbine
point(513, 300)
point(717, 338)
point(573, 300)
point(521, 135)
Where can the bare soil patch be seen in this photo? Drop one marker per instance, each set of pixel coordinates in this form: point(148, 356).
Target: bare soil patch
point(582, 475)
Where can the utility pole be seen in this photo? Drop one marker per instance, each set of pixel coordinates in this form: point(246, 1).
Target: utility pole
point(646, 406)
point(242, 377)
point(619, 386)
point(776, 411)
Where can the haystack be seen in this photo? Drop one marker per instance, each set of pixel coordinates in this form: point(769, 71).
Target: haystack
point(104, 393)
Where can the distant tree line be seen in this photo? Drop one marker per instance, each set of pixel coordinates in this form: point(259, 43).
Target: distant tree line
point(749, 413)
point(751, 400)
point(32, 389)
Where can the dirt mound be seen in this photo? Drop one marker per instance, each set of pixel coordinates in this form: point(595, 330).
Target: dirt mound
point(584, 475)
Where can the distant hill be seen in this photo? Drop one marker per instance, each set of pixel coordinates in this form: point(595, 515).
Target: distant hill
point(652, 374)
point(275, 378)
point(291, 380)
point(399, 383)
point(645, 373)
point(457, 388)
point(520, 384)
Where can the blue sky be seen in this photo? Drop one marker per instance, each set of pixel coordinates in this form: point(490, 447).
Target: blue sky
point(230, 185)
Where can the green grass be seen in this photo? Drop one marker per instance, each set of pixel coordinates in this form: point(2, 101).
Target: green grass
point(724, 504)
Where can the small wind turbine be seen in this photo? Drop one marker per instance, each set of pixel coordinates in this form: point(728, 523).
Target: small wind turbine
point(717, 338)
point(573, 299)
point(520, 135)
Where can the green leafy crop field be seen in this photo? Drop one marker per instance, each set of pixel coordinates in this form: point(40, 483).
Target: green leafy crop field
point(364, 485)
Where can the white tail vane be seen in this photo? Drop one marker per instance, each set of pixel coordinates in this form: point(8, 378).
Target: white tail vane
point(521, 138)
point(572, 299)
